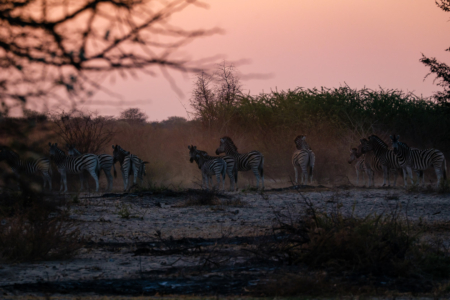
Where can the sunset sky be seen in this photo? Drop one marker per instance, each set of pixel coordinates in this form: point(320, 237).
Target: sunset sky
point(302, 43)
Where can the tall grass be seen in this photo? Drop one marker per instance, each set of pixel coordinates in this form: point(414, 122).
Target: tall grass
point(332, 119)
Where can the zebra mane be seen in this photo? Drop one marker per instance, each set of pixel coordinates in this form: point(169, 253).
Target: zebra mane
point(229, 141)
point(377, 140)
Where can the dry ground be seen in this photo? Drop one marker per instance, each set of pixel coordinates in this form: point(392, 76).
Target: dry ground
point(160, 243)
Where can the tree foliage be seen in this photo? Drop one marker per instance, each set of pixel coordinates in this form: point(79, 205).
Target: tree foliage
point(221, 88)
point(60, 50)
point(439, 69)
point(134, 115)
point(89, 133)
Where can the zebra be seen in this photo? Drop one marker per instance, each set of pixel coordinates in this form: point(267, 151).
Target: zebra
point(420, 160)
point(130, 164)
point(360, 166)
point(74, 165)
point(231, 166)
point(252, 160)
point(387, 159)
point(209, 166)
point(106, 162)
point(31, 166)
point(304, 157)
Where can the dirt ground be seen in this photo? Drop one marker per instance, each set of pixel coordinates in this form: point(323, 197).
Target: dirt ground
point(161, 244)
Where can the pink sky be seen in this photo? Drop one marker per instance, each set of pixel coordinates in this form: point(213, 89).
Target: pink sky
point(302, 43)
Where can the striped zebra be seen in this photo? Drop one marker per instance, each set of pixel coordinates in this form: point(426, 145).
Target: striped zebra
point(420, 160)
point(74, 165)
point(231, 166)
point(130, 164)
point(387, 159)
point(303, 158)
point(212, 166)
point(252, 160)
point(106, 162)
point(40, 166)
point(360, 166)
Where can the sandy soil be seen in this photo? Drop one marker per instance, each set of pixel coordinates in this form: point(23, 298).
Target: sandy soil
point(121, 256)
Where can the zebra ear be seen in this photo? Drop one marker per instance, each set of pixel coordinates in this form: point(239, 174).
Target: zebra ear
point(189, 147)
point(56, 144)
point(304, 137)
point(392, 138)
point(195, 147)
point(113, 146)
point(50, 144)
point(222, 140)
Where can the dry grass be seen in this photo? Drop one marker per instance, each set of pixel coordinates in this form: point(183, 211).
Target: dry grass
point(34, 229)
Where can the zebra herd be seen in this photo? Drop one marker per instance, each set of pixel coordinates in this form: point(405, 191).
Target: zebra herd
point(372, 155)
point(77, 163)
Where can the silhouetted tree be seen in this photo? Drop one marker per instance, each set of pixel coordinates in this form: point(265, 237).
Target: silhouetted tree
point(221, 88)
point(439, 69)
point(134, 115)
point(88, 132)
point(60, 50)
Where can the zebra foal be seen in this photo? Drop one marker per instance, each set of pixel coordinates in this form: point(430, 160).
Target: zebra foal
point(231, 166)
point(106, 162)
point(130, 164)
point(386, 158)
point(303, 158)
point(74, 165)
point(252, 160)
point(40, 166)
point(212, 166)
point(419, 160)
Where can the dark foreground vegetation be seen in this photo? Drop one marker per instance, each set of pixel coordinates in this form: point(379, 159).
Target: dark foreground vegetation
point(308, 250)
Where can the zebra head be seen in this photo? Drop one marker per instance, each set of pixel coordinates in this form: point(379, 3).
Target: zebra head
point(192, 153)
point(72, 151)
point(300, 142)
point(226, 146)
point(119, 153)
point(395, 143)
point(364, 147)
point(353, 155)
point(55, 152)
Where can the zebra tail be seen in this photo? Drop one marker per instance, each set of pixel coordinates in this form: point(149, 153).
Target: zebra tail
point(115, 172)
point(445, 169)
point(97, 168)
point(261, 167)
point(224, 169)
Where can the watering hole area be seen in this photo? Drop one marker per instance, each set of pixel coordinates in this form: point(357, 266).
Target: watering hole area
point(191, 242)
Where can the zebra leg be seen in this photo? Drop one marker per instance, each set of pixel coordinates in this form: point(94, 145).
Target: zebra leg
point(125, 179)
point(261, 172)
point(304, 175)
point(385, 174)
point(230, 175)
point(109, 177)
point(94, 175)
point(296, 175)
point(48, 179)
point(256, 172)
point(410, 174)
point(439, 172)
point(312, 160)
point(64, 180)
point(395, 177)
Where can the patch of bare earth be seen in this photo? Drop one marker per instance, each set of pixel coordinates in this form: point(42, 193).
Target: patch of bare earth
point(169, 243)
